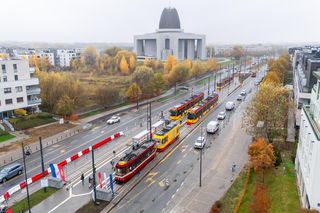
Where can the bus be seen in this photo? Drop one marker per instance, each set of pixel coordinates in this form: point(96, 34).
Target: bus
point(179, 110)
point(166, 136)
point(206, 105)
point(135, 160)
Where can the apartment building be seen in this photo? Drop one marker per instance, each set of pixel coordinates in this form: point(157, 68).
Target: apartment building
point(64, 56)
point(308, 151)
point(19, 88)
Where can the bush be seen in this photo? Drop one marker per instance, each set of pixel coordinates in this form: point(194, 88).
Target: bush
point(20, 112)
point(2, 132)
point(216, 207)
point(278, 161)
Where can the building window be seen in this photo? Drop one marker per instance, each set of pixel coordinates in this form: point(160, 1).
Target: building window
point(15, 68)
point(5, 79)
point(20, 99)
point(19, 89)
point(16, 77)
point(167, 44)
point(8, 101)
point(3, 67)
point(7, 90)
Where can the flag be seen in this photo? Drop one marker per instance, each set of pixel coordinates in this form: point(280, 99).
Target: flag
point(100, 179)
point(61, 173)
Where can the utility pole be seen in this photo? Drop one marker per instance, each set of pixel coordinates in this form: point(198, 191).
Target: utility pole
point(208, 85)
point(25, 176)
point(149, 124)
point(42, 162)
point(200, 157)
point(94, 178)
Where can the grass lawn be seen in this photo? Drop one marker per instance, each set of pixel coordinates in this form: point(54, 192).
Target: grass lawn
point(6, 137)
point(179, 92)
point(98, 111)
point(35, 199)
point(30, 121)
point(281, 186)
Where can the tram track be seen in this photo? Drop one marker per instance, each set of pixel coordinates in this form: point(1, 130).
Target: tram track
point(171, 150)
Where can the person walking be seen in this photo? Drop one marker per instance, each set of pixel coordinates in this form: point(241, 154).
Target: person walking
point(82, 179)
point(90, 182)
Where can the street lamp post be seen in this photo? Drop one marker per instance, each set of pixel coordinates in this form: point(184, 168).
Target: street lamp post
point(94, 178)
point(200, 158)
point(208, 85)
point(25, 176)
point(42, 162)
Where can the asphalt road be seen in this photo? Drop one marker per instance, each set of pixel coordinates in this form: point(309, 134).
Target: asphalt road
point(151, 195)
point(130, 124)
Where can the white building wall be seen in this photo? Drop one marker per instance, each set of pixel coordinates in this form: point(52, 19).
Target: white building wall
point(18, 86)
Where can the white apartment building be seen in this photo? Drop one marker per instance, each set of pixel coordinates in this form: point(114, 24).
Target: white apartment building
point(48, 55)
point(18, 87)
point(308, 152)
point(65, 56)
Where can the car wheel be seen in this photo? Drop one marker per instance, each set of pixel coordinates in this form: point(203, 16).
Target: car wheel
point(20, 172)
point(4, 180)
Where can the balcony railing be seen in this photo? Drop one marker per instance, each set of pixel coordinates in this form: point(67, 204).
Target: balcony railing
point(34, 101)
point(33, 91)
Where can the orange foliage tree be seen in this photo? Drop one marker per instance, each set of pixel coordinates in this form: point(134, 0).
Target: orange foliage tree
point(169, 64)
point(124, 67)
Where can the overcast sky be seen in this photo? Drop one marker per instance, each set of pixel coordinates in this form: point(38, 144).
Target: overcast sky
point(222, 21)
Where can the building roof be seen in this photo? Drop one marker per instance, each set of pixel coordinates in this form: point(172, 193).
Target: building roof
point(169, 19)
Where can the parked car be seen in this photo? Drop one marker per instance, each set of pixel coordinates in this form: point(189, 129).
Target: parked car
point(243, 92)
point(212, 127)
point(230, 105)
point(114, 119)
point(239, 98)
point(184, 88)
point(222, 115)
point(200, 143)
point(10, 171)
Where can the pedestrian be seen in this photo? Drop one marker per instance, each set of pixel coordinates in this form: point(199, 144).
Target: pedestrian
point(90, 182)
point(112, 164)
point(82, 179)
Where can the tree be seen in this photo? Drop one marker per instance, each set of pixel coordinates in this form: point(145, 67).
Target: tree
point(197, 69)
point(260, 200)
point(212, 65)
point(169, 64)
point(261, 155)
point(45, 64)
point(112, 52)
point(124, 67)
point(272, 78)
point(107, 95)
point(134, 93)
point(132, 62)
point(65, 106)
point(90, 57)
point(237, 52)
point(118, 59)
point(4, 55)
point(178, 74)
point(187, 63)
point(270, 106)
point(142, 75)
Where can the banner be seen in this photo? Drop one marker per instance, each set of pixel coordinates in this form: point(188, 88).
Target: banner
point(100, 179)
point(61, 172)
point(111, 183)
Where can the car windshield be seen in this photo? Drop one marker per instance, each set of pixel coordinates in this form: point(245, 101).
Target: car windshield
point(221, 113)
point(114, 117)
point(5, 170)
point(199, 140)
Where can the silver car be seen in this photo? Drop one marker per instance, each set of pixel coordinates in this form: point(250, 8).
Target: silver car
point(10, 171)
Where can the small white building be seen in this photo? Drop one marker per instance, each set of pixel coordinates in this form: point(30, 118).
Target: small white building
point(308, 151)
point(49, 55)
point(65, 56)
point(19, 88)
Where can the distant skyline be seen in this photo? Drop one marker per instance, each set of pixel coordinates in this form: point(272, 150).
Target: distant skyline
point(117, 21)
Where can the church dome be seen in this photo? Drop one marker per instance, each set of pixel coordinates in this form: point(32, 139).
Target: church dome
point(169, 19)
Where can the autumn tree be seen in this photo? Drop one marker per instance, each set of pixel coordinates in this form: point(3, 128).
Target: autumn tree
point(197, 69)
point(4, 55)
point(262, 155)
point(113, 51)
point(124, 67)
point(187, 63)
point(65, 106)
point(272, 78)
point(134, 93)
point(45, 64)
point(142, 76)
point(107, 95)
point(169, 64)
point(90, 57)
point(118, 60)
point(237, 52)
point(212, 65)
point(132, 62)
point(269, 105)
point(260, 199)
point(178, 74)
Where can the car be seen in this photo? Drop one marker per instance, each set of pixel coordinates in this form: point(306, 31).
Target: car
point(221, 115)
point(200, 143)
point(239, 98)
point(10, 171)
point(114, 119)
point(212, 127)
point(184, 88)
point(243, 92)
point(230, 105)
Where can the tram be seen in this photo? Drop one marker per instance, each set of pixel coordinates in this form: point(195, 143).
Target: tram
point(206, 105)
point(224, 82)
point(178, 111)
point(135, 160)
point(166, 136)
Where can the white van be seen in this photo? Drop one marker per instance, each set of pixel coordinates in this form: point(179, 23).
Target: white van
point(212, 127)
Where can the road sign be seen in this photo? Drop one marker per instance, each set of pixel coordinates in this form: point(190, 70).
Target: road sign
point(44, 183)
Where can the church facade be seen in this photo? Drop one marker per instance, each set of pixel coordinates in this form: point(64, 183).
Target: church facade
point(170, 39)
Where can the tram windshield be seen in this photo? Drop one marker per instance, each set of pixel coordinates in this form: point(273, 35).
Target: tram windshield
point(173, 112)
point(191, 115)
point(121, 171)
point(158, 141)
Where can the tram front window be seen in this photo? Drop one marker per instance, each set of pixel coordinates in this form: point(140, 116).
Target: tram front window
point(121, 171)
point(158, 141)
point(191, 116)
point(173, 112)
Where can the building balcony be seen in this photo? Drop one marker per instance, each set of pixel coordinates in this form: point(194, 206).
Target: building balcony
point(33, 91)
point(32, 70)
point(33, 102)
